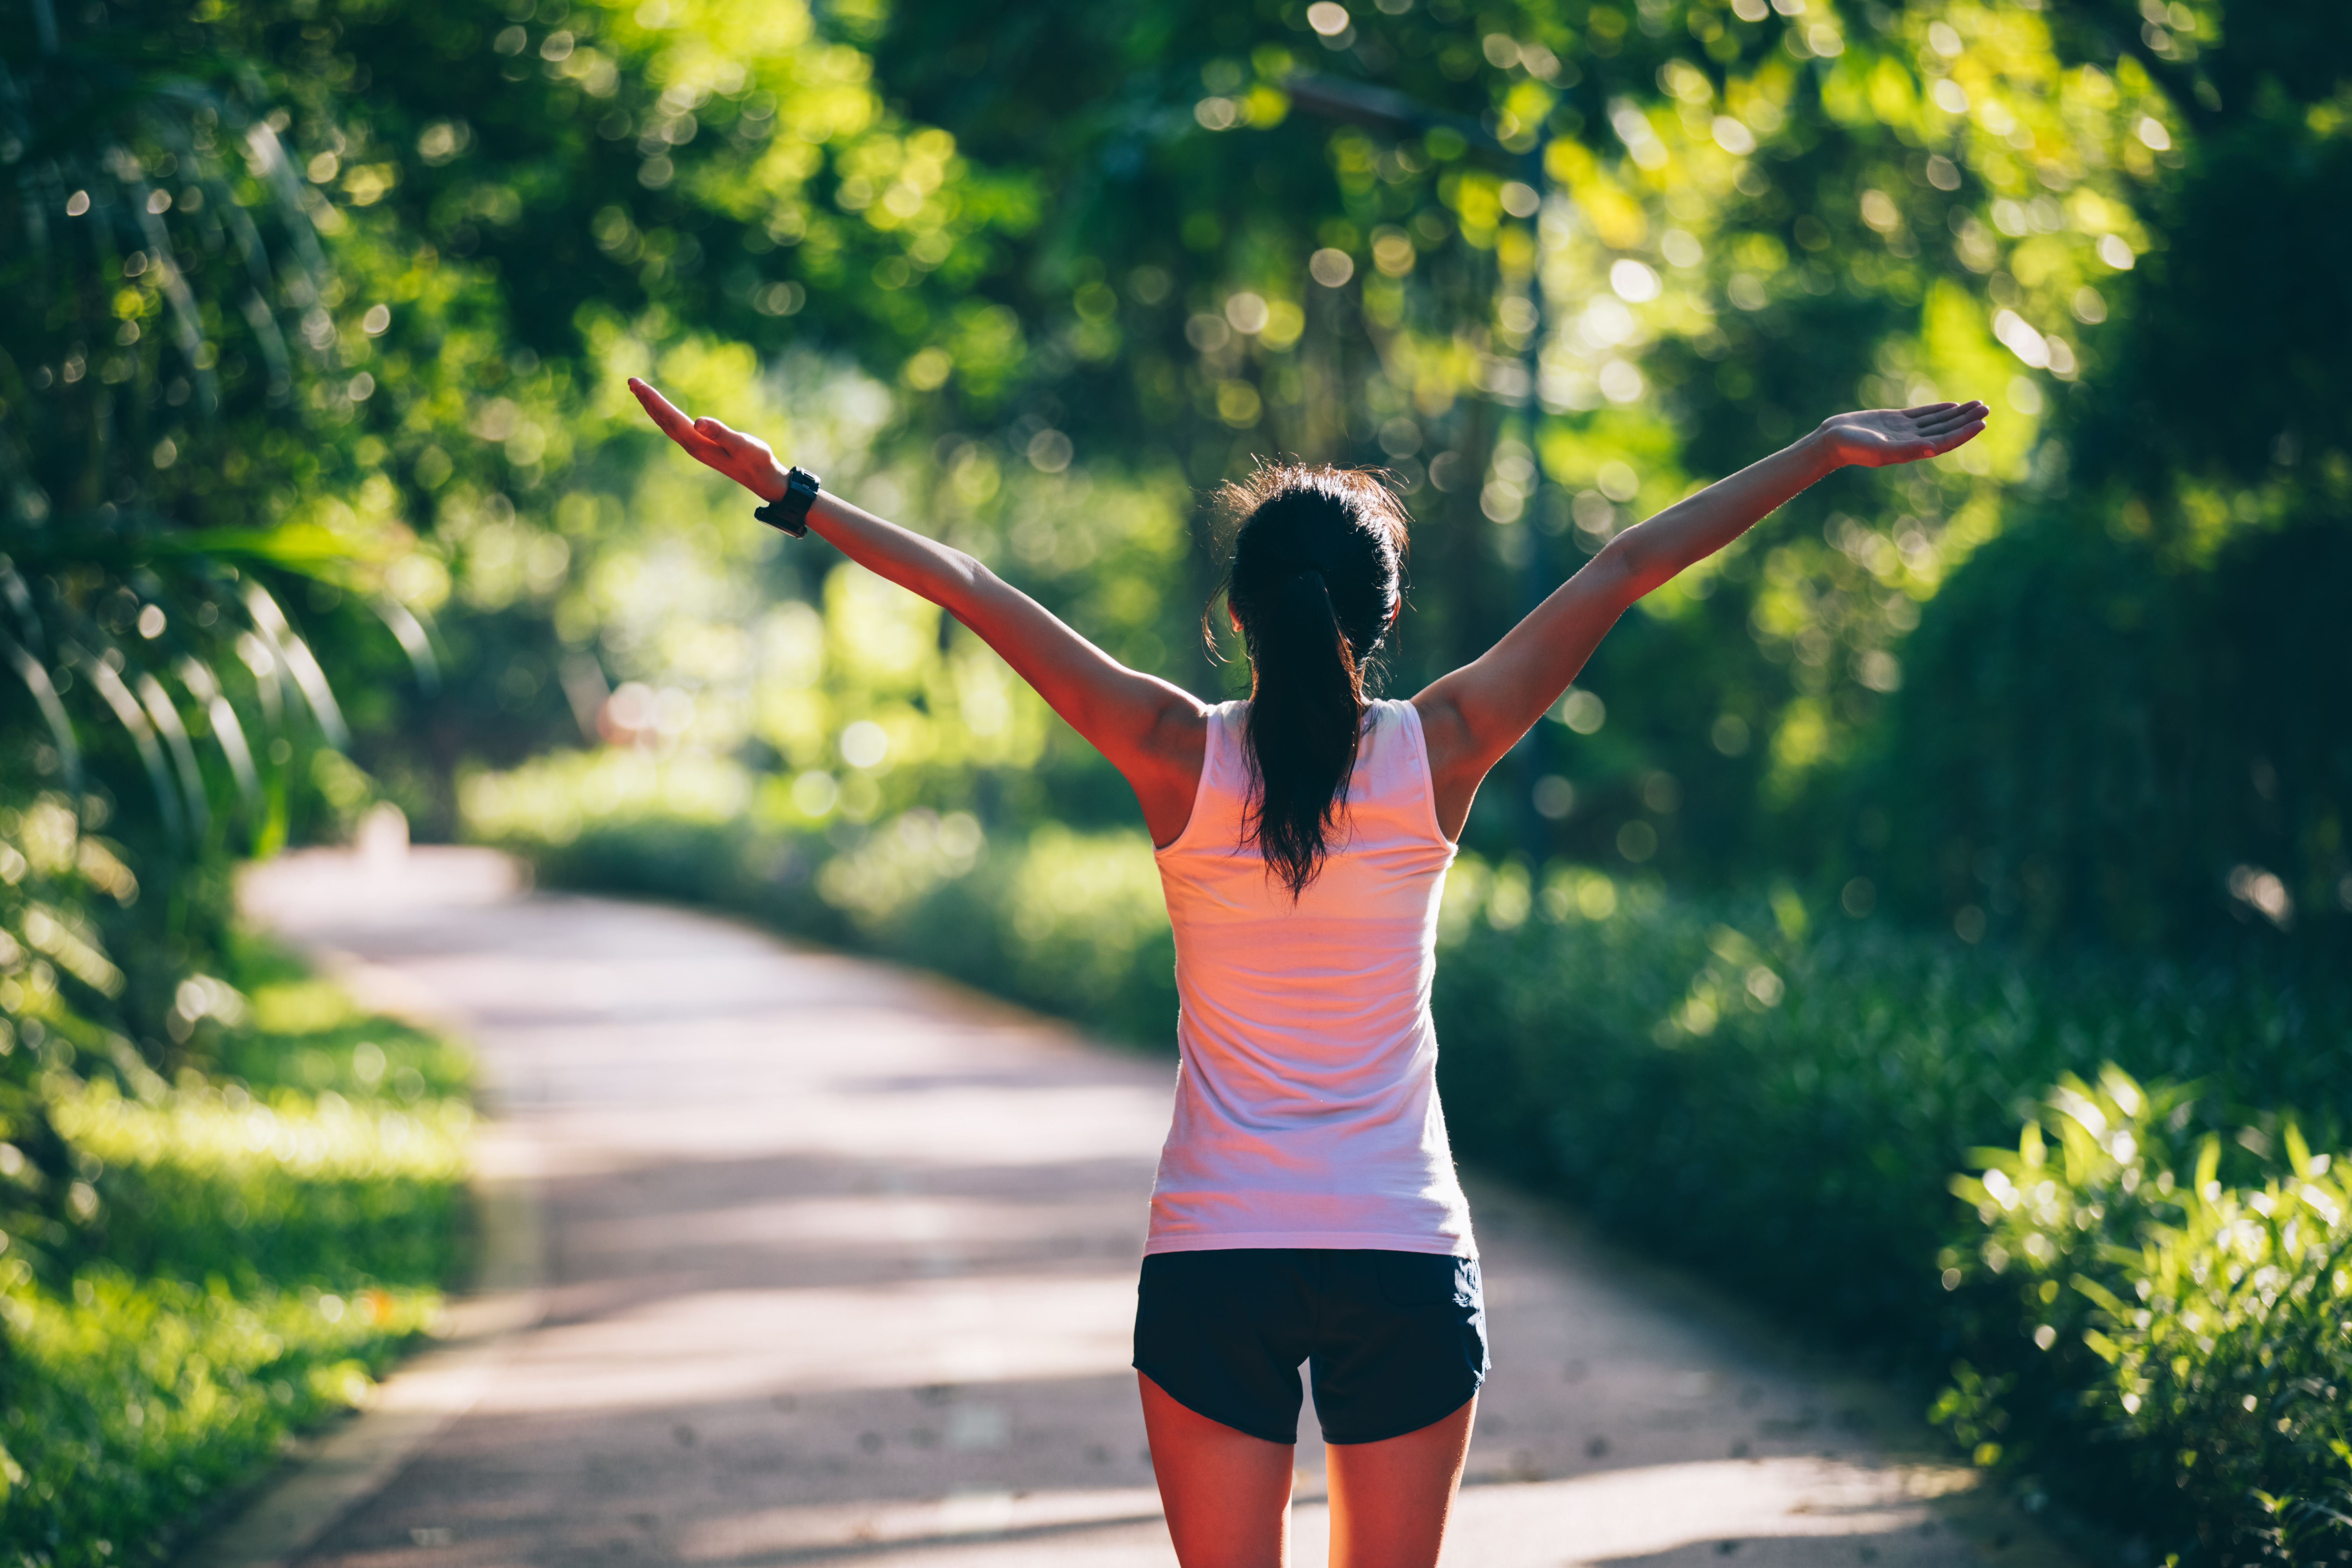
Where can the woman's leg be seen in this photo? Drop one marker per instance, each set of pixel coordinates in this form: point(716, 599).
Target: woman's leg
point(1390, 1499)
point(1227, 1494)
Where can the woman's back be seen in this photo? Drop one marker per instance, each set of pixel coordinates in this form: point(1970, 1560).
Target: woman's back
point(1307, 1112)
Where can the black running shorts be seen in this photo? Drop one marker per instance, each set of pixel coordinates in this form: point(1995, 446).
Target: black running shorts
point(1394, 1341)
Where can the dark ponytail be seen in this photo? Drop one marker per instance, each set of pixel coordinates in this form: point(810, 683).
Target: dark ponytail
point(1316, 580)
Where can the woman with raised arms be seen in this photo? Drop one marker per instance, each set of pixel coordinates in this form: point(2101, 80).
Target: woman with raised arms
point(1307, 1208)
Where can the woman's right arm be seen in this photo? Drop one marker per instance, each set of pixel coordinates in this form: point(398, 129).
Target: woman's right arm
point(1154, 732)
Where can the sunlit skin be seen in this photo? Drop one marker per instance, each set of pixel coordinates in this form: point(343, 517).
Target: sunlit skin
point(1228, 1494)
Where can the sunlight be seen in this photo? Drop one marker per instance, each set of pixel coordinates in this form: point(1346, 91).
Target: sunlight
point(1596, 1519)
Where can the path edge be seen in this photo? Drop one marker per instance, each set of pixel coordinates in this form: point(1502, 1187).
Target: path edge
point(322, 1477)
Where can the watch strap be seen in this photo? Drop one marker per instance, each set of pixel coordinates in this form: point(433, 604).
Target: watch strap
point(790, 511)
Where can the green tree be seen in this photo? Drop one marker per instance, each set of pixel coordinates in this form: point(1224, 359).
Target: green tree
point(170, 352)
point(2126, 725)
point(1741, 218)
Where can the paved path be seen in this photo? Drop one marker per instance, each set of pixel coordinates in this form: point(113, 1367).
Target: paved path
point(839, 1269)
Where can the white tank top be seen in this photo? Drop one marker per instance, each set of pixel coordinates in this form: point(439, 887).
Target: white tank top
point(1307, 1109)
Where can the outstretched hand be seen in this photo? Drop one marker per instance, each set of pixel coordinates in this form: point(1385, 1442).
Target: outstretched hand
point(1876, 438)
point(747, 460)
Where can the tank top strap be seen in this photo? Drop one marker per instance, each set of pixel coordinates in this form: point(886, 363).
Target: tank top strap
point(1397, 754)
point(1223, 766)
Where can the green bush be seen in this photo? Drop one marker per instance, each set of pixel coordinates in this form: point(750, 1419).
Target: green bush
point(255, 1244)
point(2200, 802)
point(2141, 1329)
point(1658, 1065)
point(1781, 1107)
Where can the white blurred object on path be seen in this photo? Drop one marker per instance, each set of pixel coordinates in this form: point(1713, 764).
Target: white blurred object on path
point(383, 839)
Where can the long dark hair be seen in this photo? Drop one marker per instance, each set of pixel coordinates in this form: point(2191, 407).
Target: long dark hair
point(1317, 577)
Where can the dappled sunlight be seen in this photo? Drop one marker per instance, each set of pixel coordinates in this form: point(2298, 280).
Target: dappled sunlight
point(1751, 1505)
point(329, 511)
point(950, 1228)
point(1747, 1502)
point(958, 1519)
point(713, 1345)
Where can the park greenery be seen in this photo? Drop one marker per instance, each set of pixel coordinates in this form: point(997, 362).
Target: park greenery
point(320, 488)
point(257, 1239)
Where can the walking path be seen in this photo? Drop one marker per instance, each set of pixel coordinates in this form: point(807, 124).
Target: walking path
point(838, 1267)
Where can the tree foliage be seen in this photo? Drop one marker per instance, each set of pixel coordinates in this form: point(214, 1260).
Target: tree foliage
point(318, 312)
point(318, 484)
point(2124, 725)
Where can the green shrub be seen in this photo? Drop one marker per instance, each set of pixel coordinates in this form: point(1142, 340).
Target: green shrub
point(1658, 1065)
point(2142, 1330)
point(1781, 1105)
point(2200, 801)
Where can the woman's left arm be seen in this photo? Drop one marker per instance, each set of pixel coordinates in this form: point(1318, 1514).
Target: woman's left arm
point(1479, 711)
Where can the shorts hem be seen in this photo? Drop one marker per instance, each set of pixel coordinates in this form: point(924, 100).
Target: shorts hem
point(1461, 1247)
point(1476, 1383)
point(1290, 1442)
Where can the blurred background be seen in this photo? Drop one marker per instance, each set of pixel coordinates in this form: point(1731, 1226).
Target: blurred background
point(324, 513)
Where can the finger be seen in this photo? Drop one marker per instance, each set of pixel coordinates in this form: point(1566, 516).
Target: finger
point(699, 447)
point(734, 448)
point(1957, 417)
point(1926, 408)
point(725, 436)
point(664, 414)
point(1962, 438)
point(676, 426)
point(672, 420)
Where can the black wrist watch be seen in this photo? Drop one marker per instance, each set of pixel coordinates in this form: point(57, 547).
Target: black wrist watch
point(789, 511)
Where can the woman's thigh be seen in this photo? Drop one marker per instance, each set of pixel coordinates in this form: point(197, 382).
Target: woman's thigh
point(1390, 1500)
point(1227, 1494)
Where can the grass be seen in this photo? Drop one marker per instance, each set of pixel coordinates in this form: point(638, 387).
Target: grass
point(265, 1236)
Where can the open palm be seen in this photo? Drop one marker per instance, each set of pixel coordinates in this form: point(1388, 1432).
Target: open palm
point(1874, 437)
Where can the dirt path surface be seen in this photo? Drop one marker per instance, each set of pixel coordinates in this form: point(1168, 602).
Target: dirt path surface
point(839, 1269)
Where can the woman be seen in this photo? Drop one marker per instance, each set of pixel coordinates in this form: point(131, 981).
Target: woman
point(1306, 1208)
